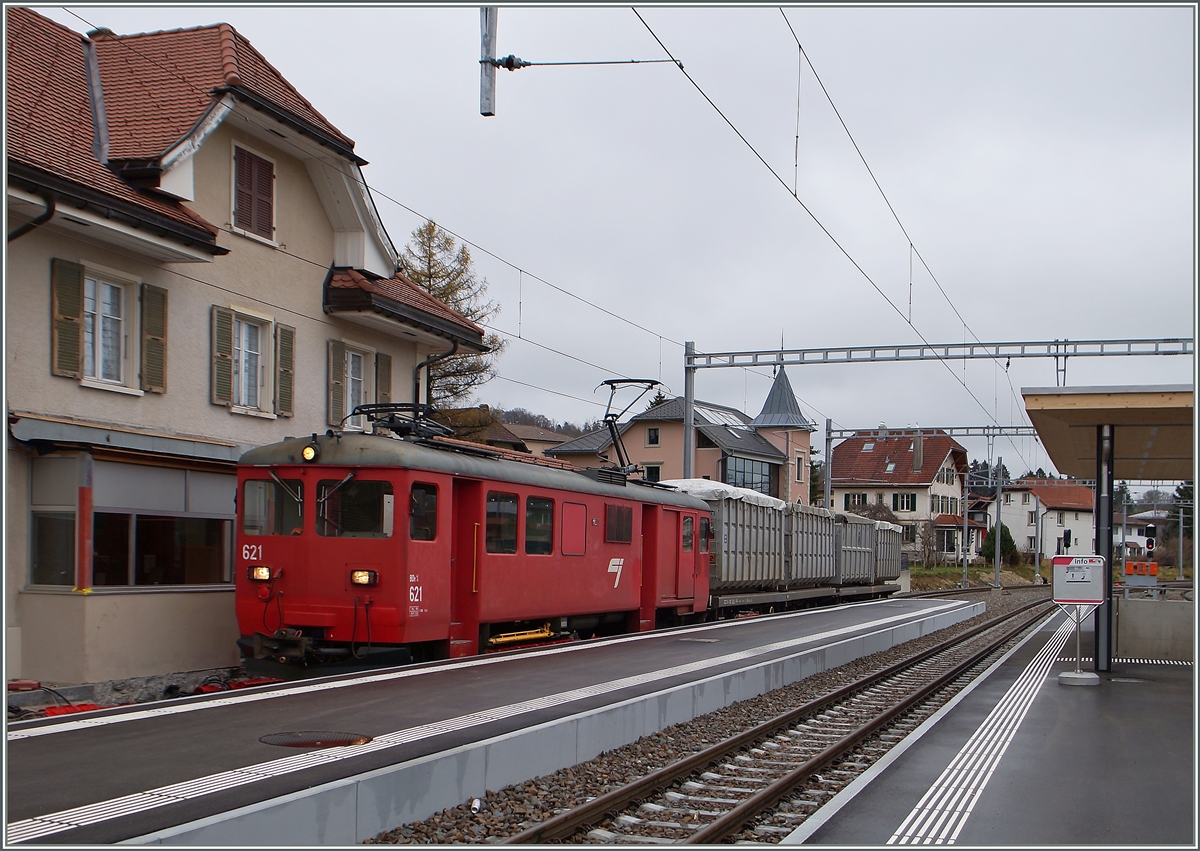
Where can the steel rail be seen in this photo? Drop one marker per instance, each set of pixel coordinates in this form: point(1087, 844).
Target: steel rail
point(566, 823)
point(736, 818)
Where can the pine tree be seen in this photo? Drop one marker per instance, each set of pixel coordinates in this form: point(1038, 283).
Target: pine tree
point(437, 264)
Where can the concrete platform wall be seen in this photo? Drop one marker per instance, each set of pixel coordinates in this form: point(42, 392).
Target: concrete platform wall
point(356, 808)
point(1155, 629)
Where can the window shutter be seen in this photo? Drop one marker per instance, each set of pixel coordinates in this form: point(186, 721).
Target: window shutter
point(337, 382)
point(264, 189)
point(383, 378)
point(847, 505)
point(222, 356)
point(243, 211)
point(66, 320)
point(154, 339)
point(285, 370)
point(895, 502)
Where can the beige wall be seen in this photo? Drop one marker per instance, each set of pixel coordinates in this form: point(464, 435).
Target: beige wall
point(59, 636)
point(69, 637)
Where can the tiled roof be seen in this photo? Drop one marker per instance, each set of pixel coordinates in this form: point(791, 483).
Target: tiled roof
point(157, 85)
point(956, 521)
point(48, 115)
point(592, 443)
point(728, 428)
point(1059, 494)
point(851, 465)
point(399, 289)
point(528, 432)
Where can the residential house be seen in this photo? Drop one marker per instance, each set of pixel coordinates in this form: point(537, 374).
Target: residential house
point(538, 439)
point(195, 266)
point(917, 476)
point(769, 453)
point(1040, 512)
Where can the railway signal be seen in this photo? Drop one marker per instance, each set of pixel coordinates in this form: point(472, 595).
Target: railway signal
point(1150, 532)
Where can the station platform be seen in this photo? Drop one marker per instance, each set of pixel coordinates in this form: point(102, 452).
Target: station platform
point(410, 741)
point(1021, 760)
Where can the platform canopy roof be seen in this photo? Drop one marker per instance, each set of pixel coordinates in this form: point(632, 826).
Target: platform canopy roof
point(1153, 428)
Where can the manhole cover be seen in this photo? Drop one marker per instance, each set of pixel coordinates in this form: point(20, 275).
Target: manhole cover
point(315, 739)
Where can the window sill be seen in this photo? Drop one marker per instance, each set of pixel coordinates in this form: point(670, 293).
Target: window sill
point(253, 236)
point(128, 589)
point(251, 412)
point(111, 388)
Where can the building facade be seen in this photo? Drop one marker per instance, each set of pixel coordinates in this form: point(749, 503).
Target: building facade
point(1048, 517)
point(769, 453)
point(195, 267)
point(918, 477)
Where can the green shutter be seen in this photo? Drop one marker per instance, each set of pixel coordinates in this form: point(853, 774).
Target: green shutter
point(154, 339)
point(285, 369)
point(337, 382)
point(847, 506)
point(383, 378)
point(66, 319)
point(222, 356)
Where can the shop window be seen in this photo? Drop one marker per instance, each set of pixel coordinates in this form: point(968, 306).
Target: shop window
point(539, 526)
point(149, 550)
point(53, 548)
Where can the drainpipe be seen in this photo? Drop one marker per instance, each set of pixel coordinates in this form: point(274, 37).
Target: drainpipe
point(48, 197)
point(417, 375)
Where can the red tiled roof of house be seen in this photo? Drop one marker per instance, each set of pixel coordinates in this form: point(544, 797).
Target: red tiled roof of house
point(157, 85)
point(1059, 494)
point(956, 521)
point(852, 465)
point(400, 289)
point(48, 113)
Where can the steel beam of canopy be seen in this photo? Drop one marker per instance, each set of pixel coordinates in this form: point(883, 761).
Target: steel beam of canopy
point(952, 431)
point(947, 351)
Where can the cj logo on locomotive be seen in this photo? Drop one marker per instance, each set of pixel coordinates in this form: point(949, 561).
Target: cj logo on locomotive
point(614, 566)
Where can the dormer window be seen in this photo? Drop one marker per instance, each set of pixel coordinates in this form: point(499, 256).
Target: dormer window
point(869, 446)
point(253, 193)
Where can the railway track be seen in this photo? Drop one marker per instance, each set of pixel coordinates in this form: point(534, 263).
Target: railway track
point(763, 782)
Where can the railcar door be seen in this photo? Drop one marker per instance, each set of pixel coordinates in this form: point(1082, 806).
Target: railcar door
point(468, 531)
point(686, 541)
point(668, 555)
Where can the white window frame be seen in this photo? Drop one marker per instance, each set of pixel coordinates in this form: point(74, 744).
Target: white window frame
point(266, 363)
point(367, 380)
point(130, 288)
point(234, 144)
point(801, 463)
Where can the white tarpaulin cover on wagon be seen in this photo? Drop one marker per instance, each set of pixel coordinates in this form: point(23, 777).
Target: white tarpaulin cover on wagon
point(708, 490)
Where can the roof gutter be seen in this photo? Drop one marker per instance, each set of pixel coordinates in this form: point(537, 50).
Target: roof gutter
point(48, 197)
point(292, 121)
point(35, 180)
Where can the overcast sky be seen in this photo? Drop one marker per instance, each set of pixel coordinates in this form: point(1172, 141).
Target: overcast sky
point(1042, 161)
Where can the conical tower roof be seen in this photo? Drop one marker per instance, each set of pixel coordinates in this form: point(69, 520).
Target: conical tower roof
point(781, 410)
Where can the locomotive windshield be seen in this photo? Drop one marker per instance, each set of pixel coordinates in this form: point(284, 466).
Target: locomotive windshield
point(272, 507)
point(354, 509)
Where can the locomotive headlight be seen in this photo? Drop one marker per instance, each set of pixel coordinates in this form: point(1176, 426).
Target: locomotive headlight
point(310, 452)
point(363, 577)
point(259, 572)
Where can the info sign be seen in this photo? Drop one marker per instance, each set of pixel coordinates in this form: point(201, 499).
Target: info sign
point(1079, 580)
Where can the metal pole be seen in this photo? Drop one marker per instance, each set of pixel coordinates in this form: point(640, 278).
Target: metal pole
point(1104, 543)
point(829, 465)
point(1179, 571)
point(487, 52)
point(965, 530)
point(999, 524)
point(1037, 540)
point(689, 411)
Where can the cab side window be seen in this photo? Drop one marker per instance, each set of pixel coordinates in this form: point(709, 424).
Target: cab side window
point(422, 512)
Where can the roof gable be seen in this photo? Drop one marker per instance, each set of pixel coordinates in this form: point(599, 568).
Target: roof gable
point(49, 121)
point(158, 86)
point(852, 463)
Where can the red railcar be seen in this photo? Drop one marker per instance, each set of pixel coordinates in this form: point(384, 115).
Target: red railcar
point(371, 546)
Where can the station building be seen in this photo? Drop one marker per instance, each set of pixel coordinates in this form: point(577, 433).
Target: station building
point(195, 266)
